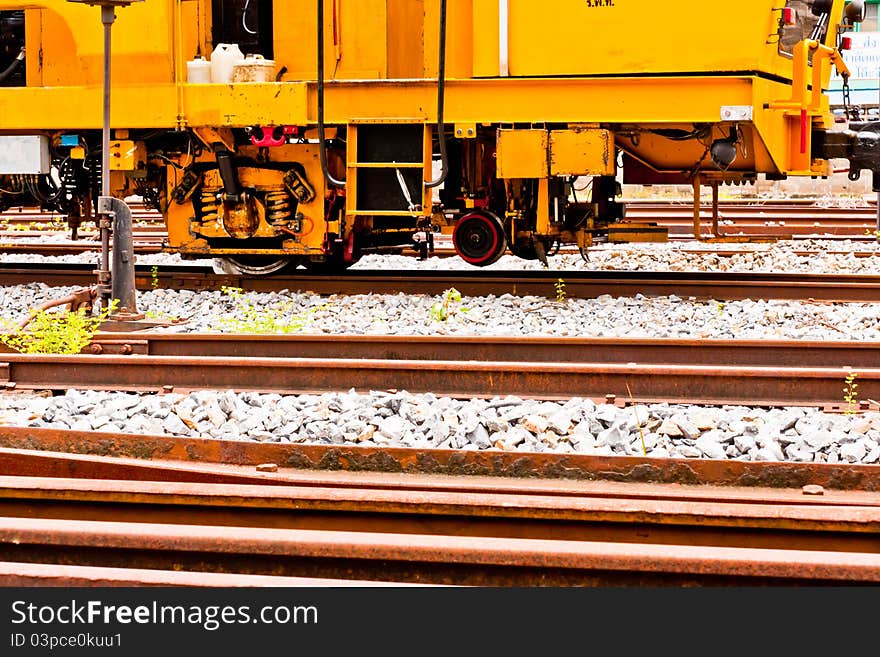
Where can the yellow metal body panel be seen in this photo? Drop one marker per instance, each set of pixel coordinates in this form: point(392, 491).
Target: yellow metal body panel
point(126, 155)
point(522, 154)
point(673, 101)
point(581, 152)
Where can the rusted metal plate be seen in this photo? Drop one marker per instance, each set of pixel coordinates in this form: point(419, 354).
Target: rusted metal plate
point(494, 463)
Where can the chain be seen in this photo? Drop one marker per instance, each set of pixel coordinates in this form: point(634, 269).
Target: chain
point(852, 112)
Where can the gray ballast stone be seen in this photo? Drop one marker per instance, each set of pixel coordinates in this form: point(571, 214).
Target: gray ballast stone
point(577, 426)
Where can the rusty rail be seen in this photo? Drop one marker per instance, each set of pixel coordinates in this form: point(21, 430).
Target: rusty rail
point(438, 559)
point(592, 367)
point(394, 515)
point(39, 452)
point(843, 354)
point(708, 384)
point(579, 284)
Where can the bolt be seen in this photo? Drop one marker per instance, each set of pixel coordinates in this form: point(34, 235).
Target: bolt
point(167, 389)
point(813, 489)
point(267, 467)
point(126, 349)
point(610, 399)
point(96, 349)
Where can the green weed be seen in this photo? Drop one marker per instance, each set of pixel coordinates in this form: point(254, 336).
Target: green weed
point(274, 318)
point(560, 291)
point(448, 306)
point(65, 332)
point(851, 394)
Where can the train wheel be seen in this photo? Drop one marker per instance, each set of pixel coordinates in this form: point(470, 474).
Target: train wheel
point(252, 265)
point(479, 238)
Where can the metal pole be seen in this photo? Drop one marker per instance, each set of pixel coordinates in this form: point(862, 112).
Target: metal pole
point(122, 283)
point(108, 15)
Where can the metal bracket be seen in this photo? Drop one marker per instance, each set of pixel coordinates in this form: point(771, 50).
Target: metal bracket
point(105, 205)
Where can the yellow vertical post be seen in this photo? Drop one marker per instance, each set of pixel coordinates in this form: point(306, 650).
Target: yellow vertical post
point(178, 63)
point(542, 225)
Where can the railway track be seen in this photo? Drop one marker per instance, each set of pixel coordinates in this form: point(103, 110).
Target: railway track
point(102, 509)
point(772, 219)
point(762, 373)
point(579, 284)
point(139, 504)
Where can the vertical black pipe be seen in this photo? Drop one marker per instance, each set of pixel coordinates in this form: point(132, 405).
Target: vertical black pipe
point(322, 145)
point(441, 99)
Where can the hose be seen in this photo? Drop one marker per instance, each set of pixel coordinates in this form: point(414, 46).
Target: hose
point(14, 65)
point(441, 96)
point(322, 146)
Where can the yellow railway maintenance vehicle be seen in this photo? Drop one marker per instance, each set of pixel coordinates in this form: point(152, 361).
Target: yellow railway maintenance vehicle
point(509, 123)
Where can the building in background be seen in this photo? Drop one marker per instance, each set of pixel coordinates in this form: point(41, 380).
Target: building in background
point(863, 60)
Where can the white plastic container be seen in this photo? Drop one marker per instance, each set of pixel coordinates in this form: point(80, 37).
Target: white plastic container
point(198, 70)
point(254, 68)
point(223, 58)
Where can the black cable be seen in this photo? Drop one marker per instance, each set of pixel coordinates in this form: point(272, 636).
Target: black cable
point(13, 66)
point(322, 146)
point(441, 97)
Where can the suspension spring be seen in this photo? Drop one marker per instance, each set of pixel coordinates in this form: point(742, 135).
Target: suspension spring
point(278, 206)
point(210, 204)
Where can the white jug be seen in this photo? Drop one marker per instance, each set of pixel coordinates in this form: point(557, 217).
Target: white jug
point(198, 70)
point(254, 68)
point(223, 58)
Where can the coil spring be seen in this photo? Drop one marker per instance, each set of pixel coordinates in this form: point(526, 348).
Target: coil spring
point(278, 207)
point(94, 176)
point(210, 205)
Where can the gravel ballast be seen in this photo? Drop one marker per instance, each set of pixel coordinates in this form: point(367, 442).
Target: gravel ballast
point(401, 419)
point(505, 315)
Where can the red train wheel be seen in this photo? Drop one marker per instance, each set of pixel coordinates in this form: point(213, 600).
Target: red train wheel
point(479, 238)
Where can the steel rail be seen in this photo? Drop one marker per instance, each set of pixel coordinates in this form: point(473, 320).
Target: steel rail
point(579, 284)
point(43, 466)
point(53, 574)
point(396, 519)
point(167, 458)
point(72, 248)
point(706, 384)
point(842, 354)
point(298, 506)
point(147, 244)
point(435, 559)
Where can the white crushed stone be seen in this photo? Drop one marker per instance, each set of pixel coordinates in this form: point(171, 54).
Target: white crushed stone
point(505, 315)
point(403, 419)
